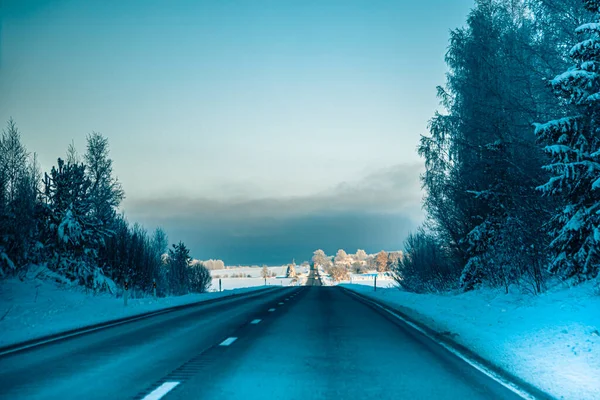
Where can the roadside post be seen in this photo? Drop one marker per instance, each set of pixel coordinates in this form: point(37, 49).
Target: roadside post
point(154, 287)
point(126, 292)
point(220, 290)
point(375, 284)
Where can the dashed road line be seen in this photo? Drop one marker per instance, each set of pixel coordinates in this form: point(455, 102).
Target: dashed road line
point(271, 309)
point(280, 303)
point(161, 391)
point(228, 341)
point(256, 321)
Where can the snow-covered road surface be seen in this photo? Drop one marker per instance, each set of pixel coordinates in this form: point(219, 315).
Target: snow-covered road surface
point(320, 343)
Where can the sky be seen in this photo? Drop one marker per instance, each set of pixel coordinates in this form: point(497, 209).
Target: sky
point(253, 131)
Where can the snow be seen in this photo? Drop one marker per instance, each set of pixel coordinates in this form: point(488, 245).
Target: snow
point(69, 229)
point(37, 308)
point(593, 97)
point(588, 28)
point(254, 272)
point(242, 277)
point(562, 125)
point(551, 341)
point(557, 149)
point(383, 281)
point(573, 74)
point(4, 258)
point(589, 45)
point(238, 283)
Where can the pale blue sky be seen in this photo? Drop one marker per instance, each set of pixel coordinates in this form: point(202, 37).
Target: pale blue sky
point(232, 101)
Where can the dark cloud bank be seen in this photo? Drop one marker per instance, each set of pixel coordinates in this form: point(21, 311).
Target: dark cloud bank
point(374, 213)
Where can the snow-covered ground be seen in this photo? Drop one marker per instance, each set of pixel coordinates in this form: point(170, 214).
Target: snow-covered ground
point(36, 308)
point(242, 277)
point(382, 282)
point(254, 272)
point(359, 279)
point(237, 283)
point(551, 341)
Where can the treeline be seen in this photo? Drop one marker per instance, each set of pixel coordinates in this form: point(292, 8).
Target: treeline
point(67, 220)
point(342, 264)
point(508, 203)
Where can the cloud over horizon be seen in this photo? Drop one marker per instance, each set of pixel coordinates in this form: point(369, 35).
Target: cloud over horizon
point(372, 213)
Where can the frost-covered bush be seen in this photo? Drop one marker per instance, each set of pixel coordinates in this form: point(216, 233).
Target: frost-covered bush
point(425, 265)
point(199, 277)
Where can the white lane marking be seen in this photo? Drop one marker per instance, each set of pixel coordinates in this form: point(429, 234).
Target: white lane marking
point(228, 341)
point(161, 391)
point(256, 321)
point(280, 304)
point(83, 330)
point(481, 368)
point(127, 320)
point(271, 309)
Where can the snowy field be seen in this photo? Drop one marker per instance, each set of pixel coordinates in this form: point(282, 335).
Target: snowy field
point(238, 283)
point(37, 308)
point(254, 272)
point(359, 279)
point(551, 340)
point(368, 281)
point(243, 277)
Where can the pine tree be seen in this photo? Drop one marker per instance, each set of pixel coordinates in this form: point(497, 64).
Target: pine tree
point(72, 232)
point(179, 261)
point(106, 192)
point(573, 143)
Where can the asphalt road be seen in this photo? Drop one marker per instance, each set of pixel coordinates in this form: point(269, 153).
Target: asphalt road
point(313, 277)
point(292, 343)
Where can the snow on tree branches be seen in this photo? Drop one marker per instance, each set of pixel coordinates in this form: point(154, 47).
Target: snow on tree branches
point(573, 144)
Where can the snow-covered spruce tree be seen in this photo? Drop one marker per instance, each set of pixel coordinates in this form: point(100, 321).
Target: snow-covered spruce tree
point(573, 143)
point(72, 233)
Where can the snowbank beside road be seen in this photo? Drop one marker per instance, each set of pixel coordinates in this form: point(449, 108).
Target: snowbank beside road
point(36, 308)
point(551, 341)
